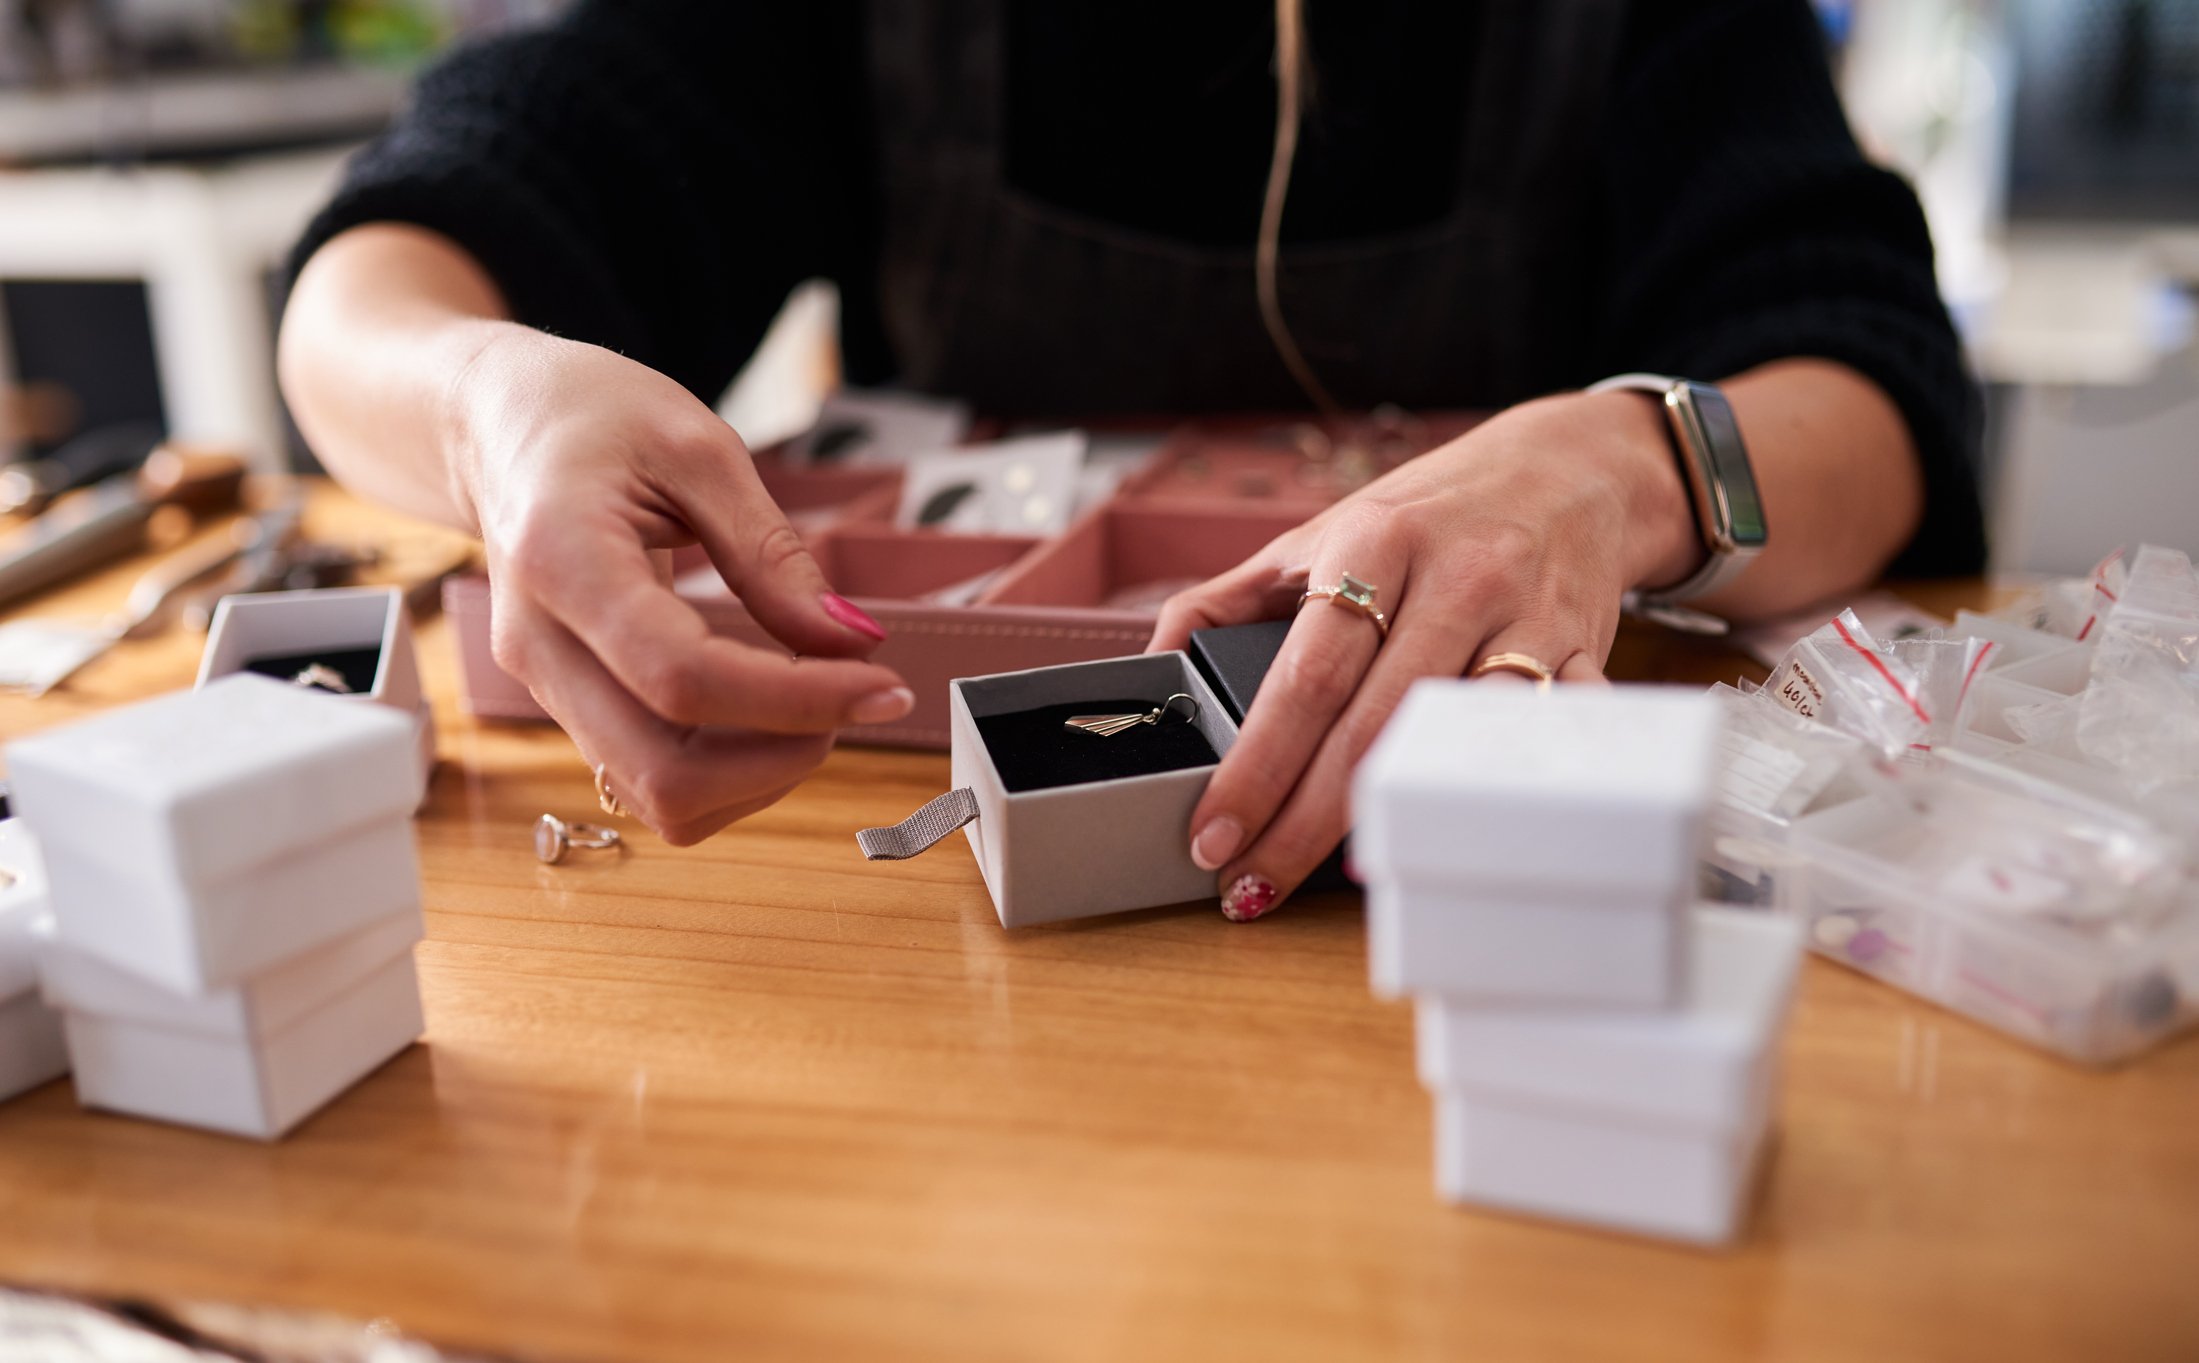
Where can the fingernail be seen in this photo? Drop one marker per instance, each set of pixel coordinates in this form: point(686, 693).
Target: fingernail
point(1248, 898)
point(852, 616)
point(883, 707)
point(1217, 843)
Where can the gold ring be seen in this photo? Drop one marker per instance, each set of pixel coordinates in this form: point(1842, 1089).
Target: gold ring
point(1350, 592)
point(606, 799)
point(1526, 666)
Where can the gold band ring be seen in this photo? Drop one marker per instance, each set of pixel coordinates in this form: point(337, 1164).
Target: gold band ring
point(606, 799)
point(1352, 594)
point(1534, 669)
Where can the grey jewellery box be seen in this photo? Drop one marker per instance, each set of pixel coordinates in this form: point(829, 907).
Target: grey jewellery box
point(1062, 808)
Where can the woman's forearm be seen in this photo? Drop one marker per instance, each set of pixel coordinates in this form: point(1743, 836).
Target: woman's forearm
point(1835, 467)
point(1837, 471)
point(384, 323)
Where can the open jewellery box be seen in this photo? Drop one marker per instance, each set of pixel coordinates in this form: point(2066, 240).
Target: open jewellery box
point(1208, 496)
point(1075, 783)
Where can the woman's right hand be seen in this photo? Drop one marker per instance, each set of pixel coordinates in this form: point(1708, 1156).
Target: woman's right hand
point(576, 463)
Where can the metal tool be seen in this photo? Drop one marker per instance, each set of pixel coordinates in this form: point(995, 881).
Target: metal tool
point(38, 655)
point(108, 521)
point(30, 485)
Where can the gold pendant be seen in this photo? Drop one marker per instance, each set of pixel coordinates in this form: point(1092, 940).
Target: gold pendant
point(1107, 726)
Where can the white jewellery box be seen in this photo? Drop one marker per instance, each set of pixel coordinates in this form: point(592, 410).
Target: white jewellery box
point(1627, 951)
point(31, 1050)
point(1067, 824)
point(1536, 844)
point(1639, 1121)
point(254, 1060)
point(350, 641)
point(203, 836)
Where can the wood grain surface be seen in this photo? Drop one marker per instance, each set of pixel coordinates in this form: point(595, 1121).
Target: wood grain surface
point(761, 1100)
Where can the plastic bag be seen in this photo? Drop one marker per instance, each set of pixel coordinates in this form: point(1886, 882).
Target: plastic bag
point(1839, 677)
point(2140, 712)
point(1773, 761)
point(1945, 670)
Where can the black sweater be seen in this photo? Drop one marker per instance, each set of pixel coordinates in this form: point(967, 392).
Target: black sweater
point(654, 175)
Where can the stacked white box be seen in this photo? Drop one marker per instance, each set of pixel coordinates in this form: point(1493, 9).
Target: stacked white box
point(253, 1060)
point(212, 854)
point(1534, 847)
point(31, 1050)
point(1600, 1049)
point(1643, 1121)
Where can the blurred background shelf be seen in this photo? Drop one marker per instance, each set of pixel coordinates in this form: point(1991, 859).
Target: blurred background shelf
point(207, 114)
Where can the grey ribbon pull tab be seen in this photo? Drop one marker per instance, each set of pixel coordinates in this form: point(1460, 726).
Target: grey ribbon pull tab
point(920, 830)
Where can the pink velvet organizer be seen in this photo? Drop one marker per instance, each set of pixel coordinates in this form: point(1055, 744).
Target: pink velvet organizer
point(973, 605)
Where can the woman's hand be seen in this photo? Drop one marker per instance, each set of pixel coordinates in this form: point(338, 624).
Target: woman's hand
point(1520, 536)
point(575, 463)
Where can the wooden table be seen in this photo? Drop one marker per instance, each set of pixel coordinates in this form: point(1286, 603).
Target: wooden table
point(760, 1099)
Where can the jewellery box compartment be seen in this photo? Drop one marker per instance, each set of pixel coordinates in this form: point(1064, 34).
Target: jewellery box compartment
point(1281, 463)
point(1093, 847)
point(885, 564)
point(816, 497)
point(1129, 556)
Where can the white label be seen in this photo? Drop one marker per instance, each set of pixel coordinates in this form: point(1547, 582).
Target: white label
point(1796, 689)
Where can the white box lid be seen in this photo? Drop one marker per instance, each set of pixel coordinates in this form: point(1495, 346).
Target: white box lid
point(197, 786)
point(1507, 785)
point(1701, 1064)
point(78, 982)
point(22, 905)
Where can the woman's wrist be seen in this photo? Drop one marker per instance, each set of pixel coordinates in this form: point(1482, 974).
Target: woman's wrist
point(473, 387)
point(1662, 544)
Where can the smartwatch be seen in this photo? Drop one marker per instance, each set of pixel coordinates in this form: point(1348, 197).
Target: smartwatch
point(1721, 484)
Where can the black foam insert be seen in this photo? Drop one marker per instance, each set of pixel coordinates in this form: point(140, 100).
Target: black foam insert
point(1036, 750)
point(357, 665)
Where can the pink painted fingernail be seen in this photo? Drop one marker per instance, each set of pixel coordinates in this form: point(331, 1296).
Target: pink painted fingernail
point(852, 616)
point(1217, 843)
point(883, 707)
point(1250, 897)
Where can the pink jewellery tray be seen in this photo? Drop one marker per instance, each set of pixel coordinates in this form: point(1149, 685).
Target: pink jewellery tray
point(1209, 495)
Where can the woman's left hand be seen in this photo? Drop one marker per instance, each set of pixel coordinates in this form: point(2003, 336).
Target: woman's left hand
point(1520, 536)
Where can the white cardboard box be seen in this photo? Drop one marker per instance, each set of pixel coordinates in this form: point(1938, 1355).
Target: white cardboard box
point(1507, 788)
point(205, 835)
point(1647, 1122)
point(1512, 830)
point(78, 982)
point(1082, 850)
point(31, 1050)
point(251, 627)
point(251, 1061)
point(1624, 950)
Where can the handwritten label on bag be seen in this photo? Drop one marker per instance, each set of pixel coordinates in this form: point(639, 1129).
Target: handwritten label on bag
point(1796, 689)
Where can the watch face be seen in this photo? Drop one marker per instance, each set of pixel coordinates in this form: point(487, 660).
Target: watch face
point(1729, 463)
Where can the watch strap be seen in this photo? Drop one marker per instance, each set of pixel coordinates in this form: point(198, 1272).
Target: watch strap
point(1719, 567)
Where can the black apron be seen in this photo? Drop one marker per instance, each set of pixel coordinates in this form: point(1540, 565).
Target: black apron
point(1021, 307)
